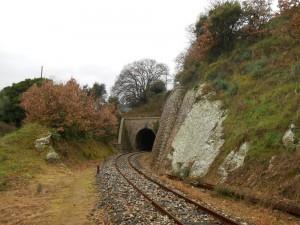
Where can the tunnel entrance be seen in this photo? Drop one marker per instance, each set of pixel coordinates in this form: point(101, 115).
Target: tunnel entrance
point(145, 139)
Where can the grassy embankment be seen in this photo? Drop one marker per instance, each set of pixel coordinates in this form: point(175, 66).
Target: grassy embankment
point(20, 161)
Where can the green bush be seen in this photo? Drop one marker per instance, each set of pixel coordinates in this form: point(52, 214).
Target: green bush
point(158, 87)
point(187, 77)
point(224, 20)
point(10, 111)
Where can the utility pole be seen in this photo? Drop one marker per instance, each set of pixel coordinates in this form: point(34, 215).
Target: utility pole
point(42, 68)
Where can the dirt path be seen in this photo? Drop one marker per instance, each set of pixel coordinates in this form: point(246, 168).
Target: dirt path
point(61, 196)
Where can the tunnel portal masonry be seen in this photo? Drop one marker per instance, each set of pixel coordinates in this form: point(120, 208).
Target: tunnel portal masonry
point(137, 133)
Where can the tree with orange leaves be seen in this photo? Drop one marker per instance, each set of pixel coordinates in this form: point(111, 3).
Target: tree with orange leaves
point(68, 108)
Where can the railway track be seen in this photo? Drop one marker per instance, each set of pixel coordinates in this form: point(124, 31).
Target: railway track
point(179, 208)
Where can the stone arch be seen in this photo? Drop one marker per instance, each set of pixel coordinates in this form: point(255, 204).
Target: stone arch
point(145, 139)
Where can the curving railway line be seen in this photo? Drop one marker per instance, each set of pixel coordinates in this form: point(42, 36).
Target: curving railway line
point(179, 208)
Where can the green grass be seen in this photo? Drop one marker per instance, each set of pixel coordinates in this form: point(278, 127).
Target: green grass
point(19, 161)
point(259, 83)
point(17, 155)
point(153, 107)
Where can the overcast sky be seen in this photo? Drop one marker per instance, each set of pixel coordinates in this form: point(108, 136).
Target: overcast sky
point(90, 40)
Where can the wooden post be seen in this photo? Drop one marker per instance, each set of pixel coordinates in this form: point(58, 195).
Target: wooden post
point(98, 169)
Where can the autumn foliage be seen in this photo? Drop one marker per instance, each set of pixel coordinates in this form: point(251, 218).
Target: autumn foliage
point(68, 108)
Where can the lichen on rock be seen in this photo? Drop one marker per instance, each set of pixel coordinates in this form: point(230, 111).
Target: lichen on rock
point(52, 156)
point(233, 161)
point(288, 138)
point(41, 143)
point(199, 139)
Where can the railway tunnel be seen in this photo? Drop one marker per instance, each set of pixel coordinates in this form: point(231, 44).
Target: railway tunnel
point(137, 133)
point(145, 139)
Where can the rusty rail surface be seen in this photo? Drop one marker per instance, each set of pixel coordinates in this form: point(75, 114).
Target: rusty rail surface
point(153, 202)
point(214, 214)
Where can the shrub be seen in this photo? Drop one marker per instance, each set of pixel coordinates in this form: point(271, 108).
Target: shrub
point(158, 87)
point(224, 20)
point(10, 111)
point(187, 77)
point(256, 13)
point(69, 109)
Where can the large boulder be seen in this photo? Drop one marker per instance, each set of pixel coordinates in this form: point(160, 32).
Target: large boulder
point(41, 143)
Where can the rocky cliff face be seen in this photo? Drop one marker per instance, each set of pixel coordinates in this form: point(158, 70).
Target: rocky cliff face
point(199, 138)
point(190, 134)
point(190, 144)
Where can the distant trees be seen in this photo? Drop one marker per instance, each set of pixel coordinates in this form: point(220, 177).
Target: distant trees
point(98, 91)
point(133, 84)
point(256, 14)
point(291, 8)
point(69, 108)
point(285, 5)
point(10, 98)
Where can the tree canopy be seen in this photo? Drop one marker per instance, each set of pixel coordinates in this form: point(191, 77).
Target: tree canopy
point(134, 82)
point(10, 110)
point(69, 109)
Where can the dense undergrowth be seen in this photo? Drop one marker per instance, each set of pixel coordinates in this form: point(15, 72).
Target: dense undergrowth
point(20, 161)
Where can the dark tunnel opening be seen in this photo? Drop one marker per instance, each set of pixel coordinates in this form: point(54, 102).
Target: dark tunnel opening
point(145, 139)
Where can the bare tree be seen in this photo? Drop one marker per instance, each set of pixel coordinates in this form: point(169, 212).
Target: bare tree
point(285, 5)
point(133, 84)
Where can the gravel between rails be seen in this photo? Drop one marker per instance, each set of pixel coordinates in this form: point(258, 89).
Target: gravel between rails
point(123, 204)
point(187, 213)
point(228, 219)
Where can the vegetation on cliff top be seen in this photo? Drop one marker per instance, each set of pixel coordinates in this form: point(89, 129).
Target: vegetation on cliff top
point(255, 71)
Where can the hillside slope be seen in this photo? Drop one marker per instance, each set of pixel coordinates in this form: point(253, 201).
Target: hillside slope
point(20, 161)
point(258, 86)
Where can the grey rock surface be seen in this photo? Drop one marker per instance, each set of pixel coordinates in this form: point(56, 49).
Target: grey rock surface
point(52, 156)
point(41, 143)
point(288, 138)
point(233, 161)
point(199, 139)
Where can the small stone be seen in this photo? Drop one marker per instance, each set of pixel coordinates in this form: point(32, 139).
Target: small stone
point(52, 157)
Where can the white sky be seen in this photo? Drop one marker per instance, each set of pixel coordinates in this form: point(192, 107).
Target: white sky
point(90, 40)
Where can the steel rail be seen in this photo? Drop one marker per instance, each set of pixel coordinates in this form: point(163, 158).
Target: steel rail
point(153, 202)
point(216, 215)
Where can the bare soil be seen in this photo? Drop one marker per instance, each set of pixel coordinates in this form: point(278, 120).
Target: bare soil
point(59, 196)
